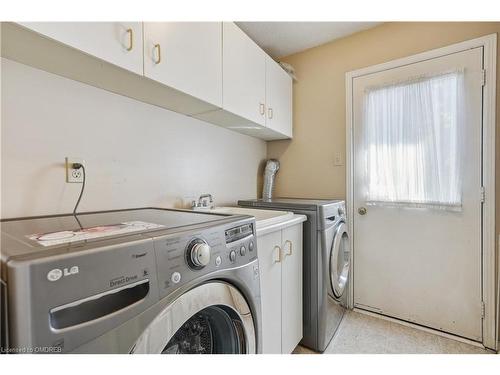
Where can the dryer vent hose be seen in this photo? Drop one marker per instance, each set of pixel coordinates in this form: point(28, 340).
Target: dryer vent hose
point(272, 167)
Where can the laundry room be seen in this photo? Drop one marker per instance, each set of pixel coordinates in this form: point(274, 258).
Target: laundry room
point(204, 180)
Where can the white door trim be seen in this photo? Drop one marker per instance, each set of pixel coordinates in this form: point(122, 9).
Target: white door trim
point(489, 44)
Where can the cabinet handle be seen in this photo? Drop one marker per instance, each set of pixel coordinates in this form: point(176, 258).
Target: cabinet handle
point(130, 33)
point(270, 113)
point(279, 257)
point(158, 53)
point(290, 247)
point(262, 108)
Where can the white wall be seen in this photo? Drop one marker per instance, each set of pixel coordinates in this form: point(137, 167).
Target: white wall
point(136, 154)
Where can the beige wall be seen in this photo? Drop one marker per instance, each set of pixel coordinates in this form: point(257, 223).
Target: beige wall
point(136, 154)
point(307, 161)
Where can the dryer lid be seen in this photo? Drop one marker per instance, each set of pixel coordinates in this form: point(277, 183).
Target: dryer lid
point(289, 203)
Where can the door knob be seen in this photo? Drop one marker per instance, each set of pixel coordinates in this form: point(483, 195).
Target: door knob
point(362, 210)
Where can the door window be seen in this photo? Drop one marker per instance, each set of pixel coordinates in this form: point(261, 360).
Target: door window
point(412, 146)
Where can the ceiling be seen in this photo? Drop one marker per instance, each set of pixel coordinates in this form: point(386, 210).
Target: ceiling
point(284, 38)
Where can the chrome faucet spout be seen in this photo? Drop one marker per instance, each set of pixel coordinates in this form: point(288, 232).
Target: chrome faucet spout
point(203, 196)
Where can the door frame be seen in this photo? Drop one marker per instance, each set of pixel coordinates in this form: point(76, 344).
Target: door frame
point(488, 261)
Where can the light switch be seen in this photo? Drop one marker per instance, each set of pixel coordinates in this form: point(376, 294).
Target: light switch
point(338, 160)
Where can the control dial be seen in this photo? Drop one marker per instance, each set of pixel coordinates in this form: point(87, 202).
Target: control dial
point(198, 254)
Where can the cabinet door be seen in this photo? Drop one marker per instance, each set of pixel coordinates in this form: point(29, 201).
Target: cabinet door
point(269, 255)
point(291, 290)
point(244, 83)
point(119, 43)
point(186, 56)
point(278, 98)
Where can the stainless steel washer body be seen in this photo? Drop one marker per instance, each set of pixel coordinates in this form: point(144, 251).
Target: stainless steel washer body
point(135, 292)
point(326, 264)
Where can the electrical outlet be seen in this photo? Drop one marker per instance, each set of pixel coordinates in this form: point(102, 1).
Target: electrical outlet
point(74, 175)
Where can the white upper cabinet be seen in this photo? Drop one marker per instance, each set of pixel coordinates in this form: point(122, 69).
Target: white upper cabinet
point(256, 88)
point(244, 81)
point(186, 56)
point(278, 98)
point(209, 70)
point(119, 43)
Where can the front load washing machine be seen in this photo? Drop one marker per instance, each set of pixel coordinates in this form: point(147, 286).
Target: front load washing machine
point(131, 281)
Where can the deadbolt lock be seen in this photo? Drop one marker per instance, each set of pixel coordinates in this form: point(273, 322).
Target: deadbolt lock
point(362, 210)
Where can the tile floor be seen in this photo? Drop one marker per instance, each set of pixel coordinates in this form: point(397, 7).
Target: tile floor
point(363, 334)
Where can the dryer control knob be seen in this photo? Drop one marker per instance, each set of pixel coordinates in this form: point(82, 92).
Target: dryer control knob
point(200, 254)
point(341, 211)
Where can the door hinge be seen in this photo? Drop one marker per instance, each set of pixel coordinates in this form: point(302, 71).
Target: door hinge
point(483, 194)
point(482, 310)
point(483, 77)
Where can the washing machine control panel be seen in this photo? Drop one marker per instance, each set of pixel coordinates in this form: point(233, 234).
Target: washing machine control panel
point(240, 241)
point(238, 232)
point(194, 254)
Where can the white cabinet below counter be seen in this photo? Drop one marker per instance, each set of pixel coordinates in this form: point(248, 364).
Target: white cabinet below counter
point(280, 264)
point(279, 250)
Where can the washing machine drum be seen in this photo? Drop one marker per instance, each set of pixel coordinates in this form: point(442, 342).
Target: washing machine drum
point(213, 318)
point(339, 261)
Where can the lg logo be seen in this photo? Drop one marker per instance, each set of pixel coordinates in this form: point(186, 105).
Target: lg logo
point(57, 273)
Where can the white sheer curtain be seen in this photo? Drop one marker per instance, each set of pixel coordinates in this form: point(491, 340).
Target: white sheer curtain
point(412, 142)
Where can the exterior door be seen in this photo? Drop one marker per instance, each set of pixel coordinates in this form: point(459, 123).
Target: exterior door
point(417, 192)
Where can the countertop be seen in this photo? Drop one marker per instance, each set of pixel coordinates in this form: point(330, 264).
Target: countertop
point(267, 221)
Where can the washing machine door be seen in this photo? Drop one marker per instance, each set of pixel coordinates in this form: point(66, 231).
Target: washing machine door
point(213, 318)
point(339, 261)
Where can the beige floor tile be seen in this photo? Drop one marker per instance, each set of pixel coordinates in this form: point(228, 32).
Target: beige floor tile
point(363, 334)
